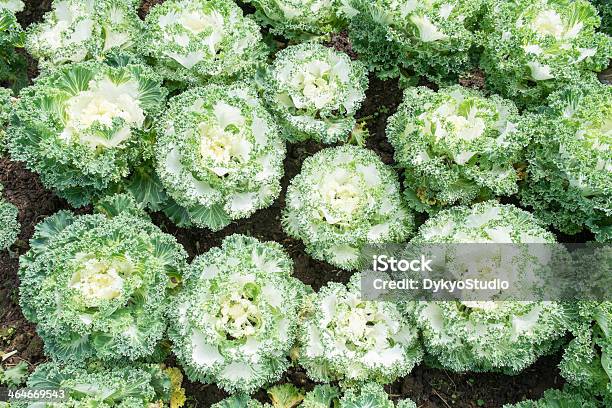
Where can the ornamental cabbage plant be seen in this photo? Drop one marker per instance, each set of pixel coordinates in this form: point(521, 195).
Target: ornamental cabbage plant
point(98, 285)
point(369, 395)
point(430, 38)
point(196, 41)
point(456, 146)
point(13, 6)
point(9, 225)
point(79, 30)
point(282, 396)
point(86, 127)
point(14, 376)
point(343, 337)
point(236, 319)
point(557, 399)
point(532, 48)
point(301, 19)
point(11, 34)
point(605, 11)
point(587, 360)
point(95, 385)
point(344, 199)
point(569, 177)
point(12, 65)
point(502, 336)
point(6, 107)
point(315, 92)
point(240, 400)
point(219, 155)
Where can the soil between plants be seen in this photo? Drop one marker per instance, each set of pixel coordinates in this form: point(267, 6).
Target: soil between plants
point(429, 387)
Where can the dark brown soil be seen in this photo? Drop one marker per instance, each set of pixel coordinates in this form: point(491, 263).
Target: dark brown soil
point(429, 387)
point(606, 76)
point(341, 42)
point(23, 189)
point(474, 79)
point(33, 11)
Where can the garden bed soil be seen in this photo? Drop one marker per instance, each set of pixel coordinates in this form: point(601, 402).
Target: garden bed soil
point(429, 387)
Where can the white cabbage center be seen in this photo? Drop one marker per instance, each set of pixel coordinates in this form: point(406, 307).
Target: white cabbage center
point(239, 317)
point(341, 194)
point(209, 29)
point(224, 140)
point(467, 128)
point(198, 23)
point(96, 280)
point(315, 82)
point(359, 325)
point(550, 23)
point(103, 103)
point(455, 121)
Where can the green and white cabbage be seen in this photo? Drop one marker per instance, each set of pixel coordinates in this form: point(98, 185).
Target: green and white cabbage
point(315, 92)
point(301, 19)
point(605, 12)
point(486, 222)
point(456, 146)
point(9, 224)
point(95, 385)
point(587, 359)
point(240, 400)
point(282, 396)
point(14, 6)
point(13, 376)
point(236, 319)
point(569, 176)
point(557, 399)
point(322, 396)
point(97, 286)
point(370, 395)
point(219, 155)
point(86, 127)
point(79, 30)
point(412, 38)
point(11, 33)
point(490, 335)
point(532, 48)
point(344, 199)
point(196, 41)
point(13, 66)
point(6, 107)
point(343, 337)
